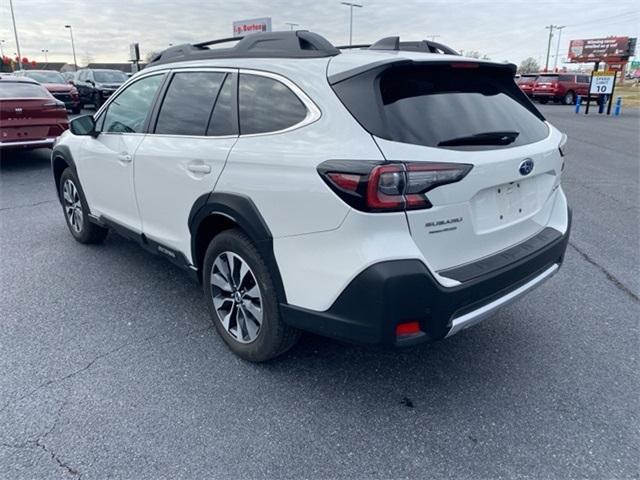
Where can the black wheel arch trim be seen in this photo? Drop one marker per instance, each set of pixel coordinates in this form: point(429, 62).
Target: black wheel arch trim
point(242, 211)
point(62, 152)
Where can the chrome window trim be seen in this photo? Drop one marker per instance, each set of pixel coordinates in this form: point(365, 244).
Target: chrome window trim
point(313, 112)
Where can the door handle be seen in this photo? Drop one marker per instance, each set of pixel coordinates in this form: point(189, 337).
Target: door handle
point(199, 168)
point(124, 157)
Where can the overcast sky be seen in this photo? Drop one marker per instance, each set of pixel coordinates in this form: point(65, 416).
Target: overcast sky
point(504, 30)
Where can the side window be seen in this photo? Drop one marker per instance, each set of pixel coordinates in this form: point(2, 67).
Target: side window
point(266, 105)
point(223, 120)
point(566, 78)
point(128, 111)
point(187, 106)
point(82, 76)
point(583, 79)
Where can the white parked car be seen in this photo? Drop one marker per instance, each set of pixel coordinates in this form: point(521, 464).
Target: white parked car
point(386, 195)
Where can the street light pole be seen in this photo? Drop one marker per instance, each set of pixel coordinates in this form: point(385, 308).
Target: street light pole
point(15, 32)
point(73, 47)
point(555, 62)
point(546, 63)
point(1, 49)
point(351, 5)
point(291, 25)
point(46, 57)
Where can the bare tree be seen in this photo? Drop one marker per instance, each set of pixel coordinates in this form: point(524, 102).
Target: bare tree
point(529, 65)
point(476, 54)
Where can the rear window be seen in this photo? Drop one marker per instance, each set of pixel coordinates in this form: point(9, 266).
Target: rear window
point(440, 105)
point(22, 90)
point(547, 78)
point(109, 76)
point(523, 80)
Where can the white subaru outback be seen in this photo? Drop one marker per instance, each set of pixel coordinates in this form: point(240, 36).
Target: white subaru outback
point(389, 194)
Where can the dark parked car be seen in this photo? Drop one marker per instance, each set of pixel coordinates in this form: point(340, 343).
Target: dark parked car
point(29, 115)
point(57, 85)
point(96, 85)
point(560, 87)
point(526, 81)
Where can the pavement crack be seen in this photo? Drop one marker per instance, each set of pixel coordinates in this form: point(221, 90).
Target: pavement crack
point(39, 443)
point(610, 276)
point(16, 207)
point(93, 361)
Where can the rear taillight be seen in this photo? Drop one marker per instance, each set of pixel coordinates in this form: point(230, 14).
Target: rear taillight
point(55, 105)
point(391, 186)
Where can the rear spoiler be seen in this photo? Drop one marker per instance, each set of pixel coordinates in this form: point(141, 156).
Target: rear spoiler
point(383, 64)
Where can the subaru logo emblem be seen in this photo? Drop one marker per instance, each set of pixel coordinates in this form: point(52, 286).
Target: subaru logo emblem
point(526, 167)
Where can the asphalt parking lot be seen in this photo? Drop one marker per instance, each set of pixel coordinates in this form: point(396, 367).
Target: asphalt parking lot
point(109, 366)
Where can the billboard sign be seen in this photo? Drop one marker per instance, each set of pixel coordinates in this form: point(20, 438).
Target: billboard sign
point(598, 49)
point(253, 25)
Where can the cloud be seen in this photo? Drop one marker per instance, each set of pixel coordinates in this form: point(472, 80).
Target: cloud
point(505, 30)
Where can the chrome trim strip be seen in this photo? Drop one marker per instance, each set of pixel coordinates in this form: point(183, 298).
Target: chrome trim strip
point(468, 319)
point(22, 143)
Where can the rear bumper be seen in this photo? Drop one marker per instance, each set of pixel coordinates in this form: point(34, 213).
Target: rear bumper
point(393, 292)
point(40, 143)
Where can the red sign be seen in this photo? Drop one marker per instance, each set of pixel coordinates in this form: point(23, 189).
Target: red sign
point(598, 49)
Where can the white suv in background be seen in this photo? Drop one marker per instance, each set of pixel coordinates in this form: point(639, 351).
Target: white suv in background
point(388, 195)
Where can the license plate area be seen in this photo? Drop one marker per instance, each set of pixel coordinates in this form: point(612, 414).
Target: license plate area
point(507, 203)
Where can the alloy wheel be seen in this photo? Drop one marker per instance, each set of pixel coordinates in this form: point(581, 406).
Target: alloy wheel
point(72, 205)
point(236, 297)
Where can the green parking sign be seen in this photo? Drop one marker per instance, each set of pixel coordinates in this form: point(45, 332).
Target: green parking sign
point(635, 65)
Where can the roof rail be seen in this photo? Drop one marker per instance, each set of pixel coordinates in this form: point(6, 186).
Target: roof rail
point(394, 44)
point(288, 44)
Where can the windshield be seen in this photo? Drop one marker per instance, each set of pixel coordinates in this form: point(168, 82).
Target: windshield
point(444, 105)
point(22, 90)
point(109, 76)
point(46, 77)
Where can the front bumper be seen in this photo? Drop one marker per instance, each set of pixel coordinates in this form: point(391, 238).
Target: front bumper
point(393, 292)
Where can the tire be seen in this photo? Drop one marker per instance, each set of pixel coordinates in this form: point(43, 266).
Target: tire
point(544, 101)
point(245, 310)
point(75, 110)
point(97, 100)
point(569, 98)
point(76, 211)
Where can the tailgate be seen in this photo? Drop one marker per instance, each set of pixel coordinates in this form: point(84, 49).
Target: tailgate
point(493, 208)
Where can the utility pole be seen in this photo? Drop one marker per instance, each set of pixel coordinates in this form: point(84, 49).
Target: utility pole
point(351, 5)
point(1, 49)
point(432, 37)
point(555, 62)
point(546, 63)
point(73, 47)
point(291, 25)
point(15, 32)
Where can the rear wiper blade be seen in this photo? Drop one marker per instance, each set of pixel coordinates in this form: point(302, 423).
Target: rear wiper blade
point(486, 138)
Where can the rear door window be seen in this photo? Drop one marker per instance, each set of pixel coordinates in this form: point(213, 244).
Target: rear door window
point(267, 105)
point(442, 105)
point(188, 103)
point(224, 120)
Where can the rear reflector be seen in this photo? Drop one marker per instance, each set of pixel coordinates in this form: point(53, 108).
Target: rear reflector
point(408, 328)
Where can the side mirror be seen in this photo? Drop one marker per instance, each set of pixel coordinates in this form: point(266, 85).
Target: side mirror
point(84, 125)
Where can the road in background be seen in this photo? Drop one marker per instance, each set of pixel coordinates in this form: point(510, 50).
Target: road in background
point(110, 367)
